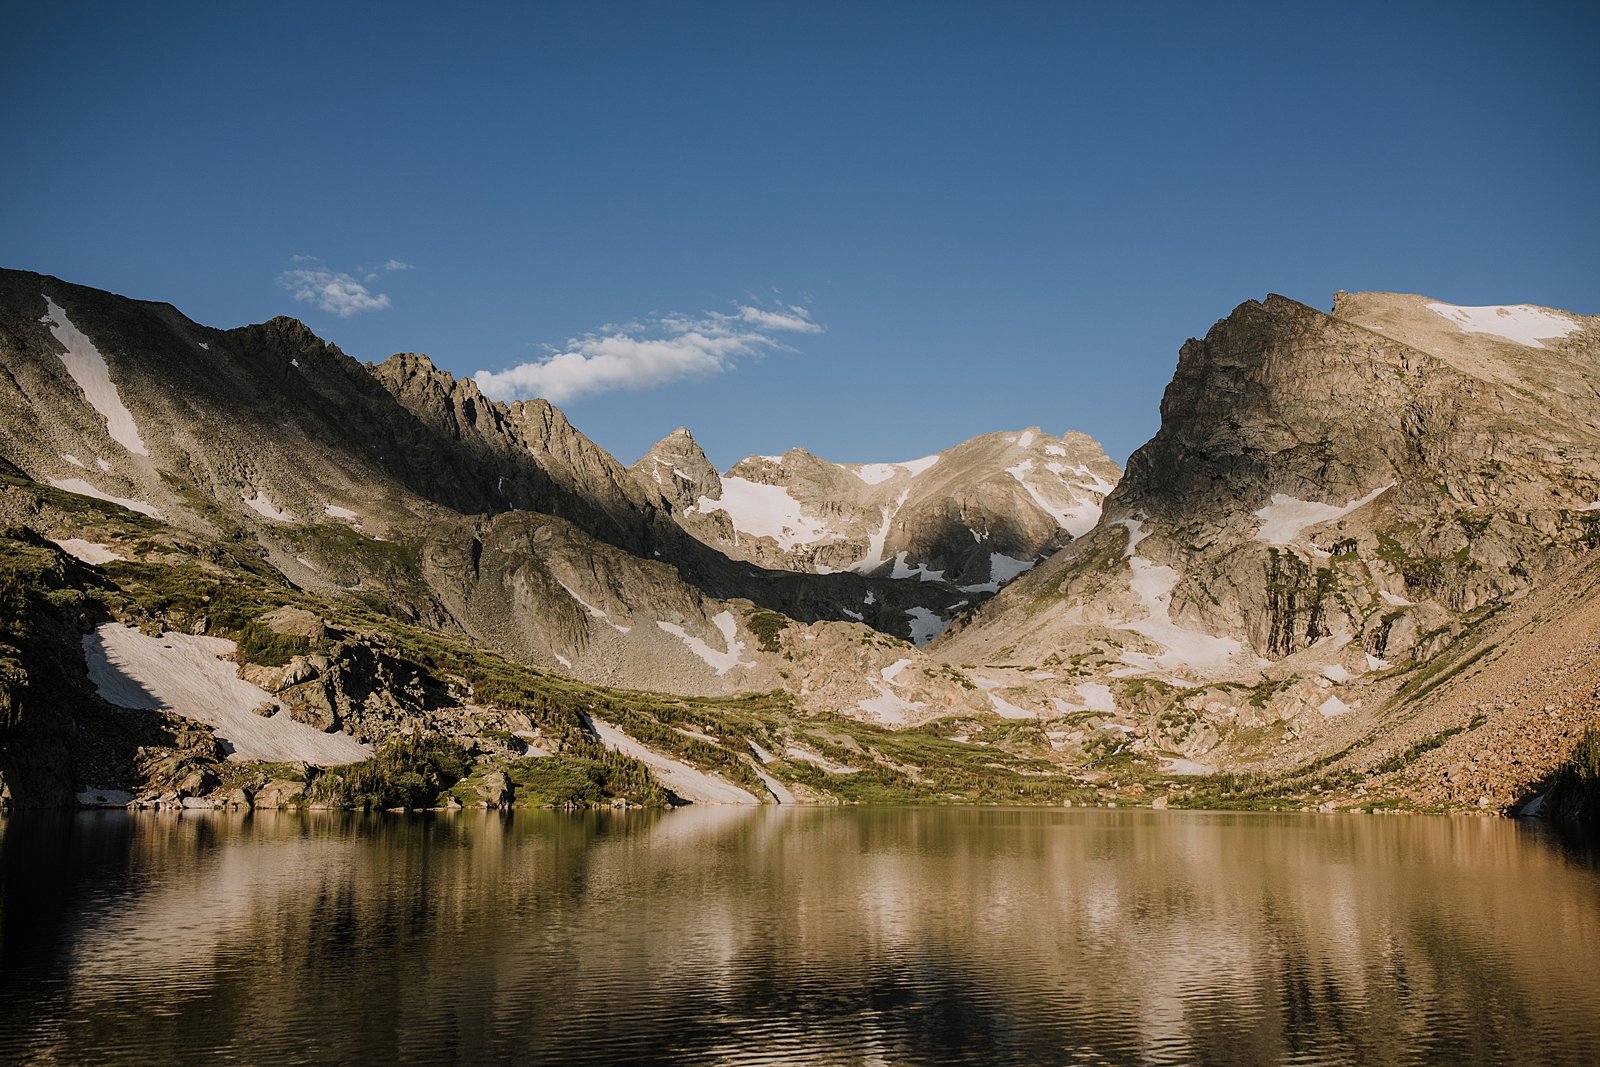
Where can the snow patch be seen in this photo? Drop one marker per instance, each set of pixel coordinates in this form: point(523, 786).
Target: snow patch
point(917, 466)
point(592, 610)
point(564, 661)
point(1096, 697)
point(1094, 482)
point(187, 675)
point(1334, 672)
point(88, 551)
point(761, 510)
point(873, 473)
point(1002, 569)
point(1522, 324)
point(721, 662)
point(902, 569)
point(892, 671)
point(925, 625)
point(1287, 517)
point(806, 756)
point(1077, 519)
point(88, 368)
point(1153, 585)
point(888, 706)
point(1177, 765)
point(1026, 439)
point(690, 783)
point(1333, 707)
point(1007, 710)
point(83, 488)
point(334, 511)
point(875, 544)
point(262, 505)
point(76, 462)
point(91, 797)
point(1392, 600)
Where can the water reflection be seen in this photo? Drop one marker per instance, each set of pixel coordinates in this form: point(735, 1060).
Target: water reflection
point(796, 936)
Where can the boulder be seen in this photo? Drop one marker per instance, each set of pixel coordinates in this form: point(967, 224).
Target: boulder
point(295, 622)
point(278, 793)
point(494, 790)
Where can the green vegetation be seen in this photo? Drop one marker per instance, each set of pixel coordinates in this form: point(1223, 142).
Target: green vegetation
point(1428, 572)
point(1575, 793)
point(409, 771)
point(1427, 744)
point(259, 644)
point(917, 766)
point(573, 782)
point(1438, 672)
point(767, 625)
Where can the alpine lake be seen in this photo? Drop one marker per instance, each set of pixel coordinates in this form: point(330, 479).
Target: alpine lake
point(796, 936)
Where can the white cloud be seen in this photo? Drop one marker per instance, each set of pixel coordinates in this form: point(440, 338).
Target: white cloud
point(648, 354)
point(793, 319)
point(395, 264)
point(333, 291)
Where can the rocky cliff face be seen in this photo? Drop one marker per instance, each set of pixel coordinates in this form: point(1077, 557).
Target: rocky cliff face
point(1315, 470)
point(1331, 497)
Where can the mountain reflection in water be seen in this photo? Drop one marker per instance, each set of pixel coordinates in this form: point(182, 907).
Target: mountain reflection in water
point(732, 936)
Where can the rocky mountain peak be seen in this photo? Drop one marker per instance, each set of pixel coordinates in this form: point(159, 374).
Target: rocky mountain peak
point(287, 332)
point(676, 467)
point(1362, 480)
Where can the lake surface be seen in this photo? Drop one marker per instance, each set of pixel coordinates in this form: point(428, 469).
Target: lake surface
point(804, 936)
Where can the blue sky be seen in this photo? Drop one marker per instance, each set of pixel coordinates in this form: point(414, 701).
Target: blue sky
point(943, 219)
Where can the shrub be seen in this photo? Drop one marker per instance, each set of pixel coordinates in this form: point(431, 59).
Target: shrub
point(407, 772)
point(1576, 792)
point(767, 625)
point(259, 644)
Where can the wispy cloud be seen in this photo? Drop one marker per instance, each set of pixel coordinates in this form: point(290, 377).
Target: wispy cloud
point(642, 355)
point(333, 291)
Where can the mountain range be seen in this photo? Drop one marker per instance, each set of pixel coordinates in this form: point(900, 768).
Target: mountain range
point(237, 561)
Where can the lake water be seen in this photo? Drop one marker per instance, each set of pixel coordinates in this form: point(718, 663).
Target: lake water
point(797, 936)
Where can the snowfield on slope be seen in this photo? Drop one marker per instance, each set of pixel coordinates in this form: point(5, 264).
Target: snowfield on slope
point(187, 675)
point(83, 488)
point(1077, 518)
point(1153, 583)
point(721, 662)
point(690, 783)
point(762, 510)
point(88, 551)
point(88, 368)
point(1521, 324)
point(262, 505)
point(1287, 517)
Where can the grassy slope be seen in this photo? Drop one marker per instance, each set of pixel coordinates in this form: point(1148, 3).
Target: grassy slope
point(175, 581)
